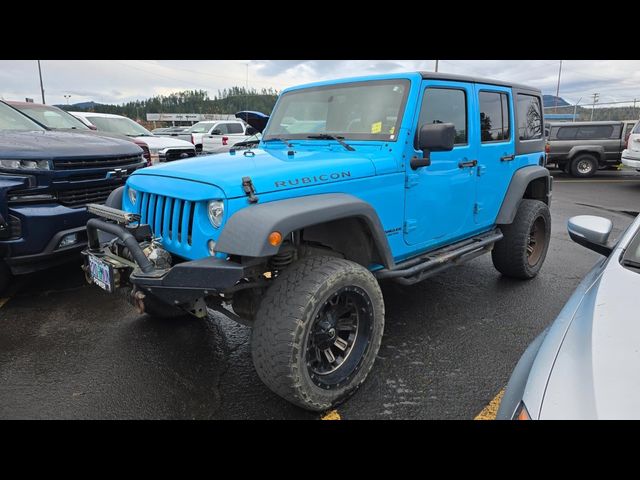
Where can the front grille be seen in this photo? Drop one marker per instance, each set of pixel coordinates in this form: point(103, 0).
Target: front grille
point(169, 218)
point(100, 162)
point(172, 155)
point(82, 196)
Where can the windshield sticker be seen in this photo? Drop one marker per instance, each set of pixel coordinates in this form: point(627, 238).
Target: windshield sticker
point(376, 127)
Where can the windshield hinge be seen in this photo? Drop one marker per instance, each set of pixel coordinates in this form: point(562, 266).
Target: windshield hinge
point(249, 190)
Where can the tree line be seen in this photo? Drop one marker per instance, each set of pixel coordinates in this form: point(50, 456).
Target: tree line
point(226, 101)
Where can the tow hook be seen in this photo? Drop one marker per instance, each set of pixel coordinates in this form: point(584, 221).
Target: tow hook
point(138, 300)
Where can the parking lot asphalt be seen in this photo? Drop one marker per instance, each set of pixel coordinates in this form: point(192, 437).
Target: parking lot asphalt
point(70, 351)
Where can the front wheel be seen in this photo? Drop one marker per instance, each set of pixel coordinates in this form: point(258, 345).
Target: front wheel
point(522, 250)
point(317, 331)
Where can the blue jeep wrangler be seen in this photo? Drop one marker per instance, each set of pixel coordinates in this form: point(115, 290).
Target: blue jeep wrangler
point(46, 179)
point(391, 177)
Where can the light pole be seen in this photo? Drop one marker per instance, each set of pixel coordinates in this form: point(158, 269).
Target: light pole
point(558, 88)
point(41, 86)
point(67, 97)
point(575, 108)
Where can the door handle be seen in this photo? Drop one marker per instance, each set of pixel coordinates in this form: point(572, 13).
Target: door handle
point(470, 163)
point(507, 158)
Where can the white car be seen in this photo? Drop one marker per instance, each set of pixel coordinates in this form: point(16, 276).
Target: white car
point(161, 149)
point(631, 155)
point(208, 136)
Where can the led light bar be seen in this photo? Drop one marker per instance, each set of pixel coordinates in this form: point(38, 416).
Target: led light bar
point(118, 216)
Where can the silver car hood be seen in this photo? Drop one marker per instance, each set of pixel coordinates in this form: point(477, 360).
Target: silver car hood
point(596, 373)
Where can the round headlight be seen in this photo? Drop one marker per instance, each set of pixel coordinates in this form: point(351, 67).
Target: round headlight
point(216, 211)
point(133, 196)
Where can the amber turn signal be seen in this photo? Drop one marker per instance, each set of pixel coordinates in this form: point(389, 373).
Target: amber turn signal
point(275, 239)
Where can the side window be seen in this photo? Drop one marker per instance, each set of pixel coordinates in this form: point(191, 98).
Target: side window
point(636, 129)
point(494, 117)
point(235, 128)
point(445, 105)
point(567, 133)
point(529, 117)
point(627, 131)
point(222, 127)
point(594, 132)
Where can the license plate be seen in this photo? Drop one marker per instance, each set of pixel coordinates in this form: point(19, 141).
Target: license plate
point(101, 273)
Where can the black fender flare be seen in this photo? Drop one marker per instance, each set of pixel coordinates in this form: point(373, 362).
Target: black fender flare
point(247, 230)
point(517, 188)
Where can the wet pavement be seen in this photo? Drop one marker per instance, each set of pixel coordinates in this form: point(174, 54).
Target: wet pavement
point(68, 350)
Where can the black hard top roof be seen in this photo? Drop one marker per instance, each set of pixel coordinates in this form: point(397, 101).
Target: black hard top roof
point(465, 78)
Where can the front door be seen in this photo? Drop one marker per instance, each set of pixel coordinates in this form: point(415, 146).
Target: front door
point(439, 201)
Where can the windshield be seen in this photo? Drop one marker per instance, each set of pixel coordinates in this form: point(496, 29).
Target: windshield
point(121, 125)
point(13, 120)
point(631, 257)
point(370, 110)
point(53, 118)
point(200, 127)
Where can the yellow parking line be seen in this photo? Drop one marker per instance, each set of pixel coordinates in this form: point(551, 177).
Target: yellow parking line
point(3, 301)
point(490, 411)
point(332, 415)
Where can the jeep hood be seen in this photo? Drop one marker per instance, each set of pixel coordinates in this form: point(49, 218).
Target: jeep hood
point(271, 170)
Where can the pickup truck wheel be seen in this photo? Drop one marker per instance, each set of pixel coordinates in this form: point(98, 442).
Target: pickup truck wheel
point(584, 166)
point(318, 331)
point(5, 276)
point(521, 252)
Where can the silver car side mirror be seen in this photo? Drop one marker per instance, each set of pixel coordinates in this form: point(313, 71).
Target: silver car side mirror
point(591, 232)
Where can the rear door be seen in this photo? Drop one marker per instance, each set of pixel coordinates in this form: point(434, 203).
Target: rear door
point(496, 151)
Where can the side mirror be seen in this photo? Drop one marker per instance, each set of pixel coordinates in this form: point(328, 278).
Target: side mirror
point(433, 137)
point(591, 232)
point(92, 127)
point(216, 131)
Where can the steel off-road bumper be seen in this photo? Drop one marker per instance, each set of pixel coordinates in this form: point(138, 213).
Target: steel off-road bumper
point(184, 283)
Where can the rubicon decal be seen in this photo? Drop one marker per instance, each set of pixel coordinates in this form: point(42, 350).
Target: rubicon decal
point(325, 177)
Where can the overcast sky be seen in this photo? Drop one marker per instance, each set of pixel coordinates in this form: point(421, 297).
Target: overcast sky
point(118, 81)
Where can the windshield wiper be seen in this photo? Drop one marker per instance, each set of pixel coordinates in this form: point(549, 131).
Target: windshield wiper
point(325, 136)
point(631, 263)
point(283, 140)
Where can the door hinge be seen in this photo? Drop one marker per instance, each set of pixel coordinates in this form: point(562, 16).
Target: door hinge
point(481, 170)
point(410, 225)
point(477, 207)
point(411, 180)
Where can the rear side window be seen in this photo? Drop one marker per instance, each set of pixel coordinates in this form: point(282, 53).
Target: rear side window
point(594, 132)
point(567, 133)
point(636, 129)
point(494, 116)
point(235, 128)
point(445, 105)
point(222, 128)
point(529, 117)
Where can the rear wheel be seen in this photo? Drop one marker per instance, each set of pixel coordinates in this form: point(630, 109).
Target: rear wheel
point(522, 250)
point(584, 166)
point(318, 331)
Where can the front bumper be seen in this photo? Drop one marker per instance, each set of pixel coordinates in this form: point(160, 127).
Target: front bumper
point(183, 283)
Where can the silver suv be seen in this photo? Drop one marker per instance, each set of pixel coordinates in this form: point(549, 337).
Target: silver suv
point(581, 148)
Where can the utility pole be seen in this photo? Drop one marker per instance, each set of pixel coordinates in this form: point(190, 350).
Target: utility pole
point(634, 106)
point(41, 86)
point(595, 100)
point(246, 106)
point(558, 88)
point(436, 65)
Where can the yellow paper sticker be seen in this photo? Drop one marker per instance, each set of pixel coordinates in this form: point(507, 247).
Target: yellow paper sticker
point(376, 127)
point(393, 129)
